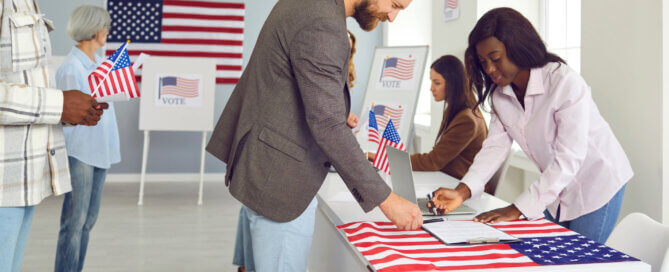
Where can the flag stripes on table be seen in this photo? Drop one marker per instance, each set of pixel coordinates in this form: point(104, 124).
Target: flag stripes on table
point(177, 28)
point(544, 243)
point(391, 138)
point(114, 76)
point(373, 129)
point(452, 4)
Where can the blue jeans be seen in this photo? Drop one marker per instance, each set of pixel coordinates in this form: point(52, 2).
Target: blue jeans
point(243, 249)
point(596, 225)
point(15, 225)
point(80, 210)
point(265, 245)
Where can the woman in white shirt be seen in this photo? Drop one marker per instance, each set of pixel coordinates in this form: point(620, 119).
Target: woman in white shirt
point(547, 108)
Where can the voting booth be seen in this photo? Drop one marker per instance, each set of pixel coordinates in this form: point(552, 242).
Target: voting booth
point(177, 95)
point(392, 91)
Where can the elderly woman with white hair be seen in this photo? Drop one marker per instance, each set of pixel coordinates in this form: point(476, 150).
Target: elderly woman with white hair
point(91, 150)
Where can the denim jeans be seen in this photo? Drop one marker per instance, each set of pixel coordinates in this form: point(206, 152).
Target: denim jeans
point(596, 225)
point(243, 249)
point(265, 245)
point(15, 225)
point(80, 210)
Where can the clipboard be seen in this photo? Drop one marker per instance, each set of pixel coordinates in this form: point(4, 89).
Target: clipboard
point(466, 232)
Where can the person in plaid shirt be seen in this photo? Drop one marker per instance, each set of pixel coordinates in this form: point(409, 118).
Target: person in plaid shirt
point(33, 159)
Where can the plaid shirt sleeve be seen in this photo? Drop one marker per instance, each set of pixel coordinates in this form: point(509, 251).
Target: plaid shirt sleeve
point(29, 105)
point(24, 49)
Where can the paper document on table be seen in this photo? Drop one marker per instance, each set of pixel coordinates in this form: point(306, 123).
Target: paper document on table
point(467, 232)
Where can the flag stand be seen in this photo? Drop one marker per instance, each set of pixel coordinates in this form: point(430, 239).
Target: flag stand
point(145, 155)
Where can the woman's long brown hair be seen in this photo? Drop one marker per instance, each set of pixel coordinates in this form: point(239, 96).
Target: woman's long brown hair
point(459, 94)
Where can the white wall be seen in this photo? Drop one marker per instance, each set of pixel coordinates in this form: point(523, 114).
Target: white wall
point(665, 111)
point(412, 27)
point(622, 60)
point(529, 8)
point(448, 38)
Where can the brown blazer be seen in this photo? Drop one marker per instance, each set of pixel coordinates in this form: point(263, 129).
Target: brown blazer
point(456, 147)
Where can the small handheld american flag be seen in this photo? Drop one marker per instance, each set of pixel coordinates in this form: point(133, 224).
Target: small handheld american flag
point(392, 138)
point(114, 76)
point(373, 131)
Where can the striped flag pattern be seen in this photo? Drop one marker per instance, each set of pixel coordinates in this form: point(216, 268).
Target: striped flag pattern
point(373, 130)
point(398, 68)
point(544, 243)
point(392, 138)
point(386, 113)
point(452, 4)
point(178, 28)
point(179, 86)
point(114, 76)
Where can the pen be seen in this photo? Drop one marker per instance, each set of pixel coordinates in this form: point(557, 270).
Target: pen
point(435, 220)
point(430, 204)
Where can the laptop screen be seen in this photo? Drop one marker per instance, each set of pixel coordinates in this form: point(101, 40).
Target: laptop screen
point(400, 173)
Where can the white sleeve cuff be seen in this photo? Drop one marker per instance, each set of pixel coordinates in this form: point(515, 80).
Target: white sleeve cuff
point(531, 208)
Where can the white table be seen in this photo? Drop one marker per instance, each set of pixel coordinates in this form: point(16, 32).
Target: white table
point(331, 251)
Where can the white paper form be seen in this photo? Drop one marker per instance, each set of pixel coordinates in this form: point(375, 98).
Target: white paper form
point(467, 232)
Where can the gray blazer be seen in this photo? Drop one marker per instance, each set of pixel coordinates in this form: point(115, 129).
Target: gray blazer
point(285, 122)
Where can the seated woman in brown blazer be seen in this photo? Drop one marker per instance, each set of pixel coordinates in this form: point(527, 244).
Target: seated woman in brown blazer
point(462, 129)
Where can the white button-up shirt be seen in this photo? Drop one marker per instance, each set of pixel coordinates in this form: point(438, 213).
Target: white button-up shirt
point(561, 130)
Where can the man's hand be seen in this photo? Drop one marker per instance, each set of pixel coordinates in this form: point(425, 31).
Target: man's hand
point(371, 156)
point(81, 109)
point(446, 200)
point(404, 214)
point(352, 120)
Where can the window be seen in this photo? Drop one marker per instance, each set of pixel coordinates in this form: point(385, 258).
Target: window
point(562, 30)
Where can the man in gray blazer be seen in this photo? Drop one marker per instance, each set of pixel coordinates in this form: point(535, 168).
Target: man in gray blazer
point(285, 124)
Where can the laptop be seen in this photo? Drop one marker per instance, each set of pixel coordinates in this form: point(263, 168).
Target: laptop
point(403, 184)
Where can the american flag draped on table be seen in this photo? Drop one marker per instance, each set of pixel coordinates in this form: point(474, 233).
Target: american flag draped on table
point(114, 76)
point(543, 243)
point(181, 28)
point(391, 138)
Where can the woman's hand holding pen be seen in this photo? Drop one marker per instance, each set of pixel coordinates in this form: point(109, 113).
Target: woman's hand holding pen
point(446, 200)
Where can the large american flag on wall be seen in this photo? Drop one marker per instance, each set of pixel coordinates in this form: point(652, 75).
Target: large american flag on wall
point(181, 28)
point(543, 243)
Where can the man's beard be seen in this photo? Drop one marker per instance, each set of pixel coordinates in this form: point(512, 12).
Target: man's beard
point(365, 17)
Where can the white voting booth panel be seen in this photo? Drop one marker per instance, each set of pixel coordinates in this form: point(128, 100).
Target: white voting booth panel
point(392, 90)
point(177, 95)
